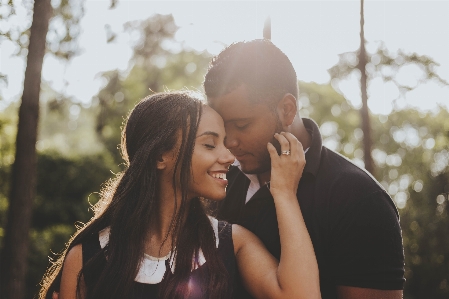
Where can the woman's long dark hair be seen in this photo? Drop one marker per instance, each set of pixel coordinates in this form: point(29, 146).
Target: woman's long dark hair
point(152, 128)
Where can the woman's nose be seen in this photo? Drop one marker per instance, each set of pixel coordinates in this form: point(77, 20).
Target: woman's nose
point(227, 157)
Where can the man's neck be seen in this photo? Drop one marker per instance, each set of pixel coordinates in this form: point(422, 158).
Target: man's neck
point(298, 129)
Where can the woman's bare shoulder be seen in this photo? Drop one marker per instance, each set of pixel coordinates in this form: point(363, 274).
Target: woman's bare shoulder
point(74, 256)
point(73, 264)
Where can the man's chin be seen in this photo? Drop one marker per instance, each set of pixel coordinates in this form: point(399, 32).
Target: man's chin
point(253, 169)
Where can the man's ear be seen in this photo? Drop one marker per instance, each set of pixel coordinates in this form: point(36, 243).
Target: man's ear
point(287, 109)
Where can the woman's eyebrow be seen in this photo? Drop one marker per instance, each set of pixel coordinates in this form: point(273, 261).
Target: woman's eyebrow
point(208, 133)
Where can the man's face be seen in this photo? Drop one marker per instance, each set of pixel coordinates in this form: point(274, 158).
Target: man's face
point(249, 127)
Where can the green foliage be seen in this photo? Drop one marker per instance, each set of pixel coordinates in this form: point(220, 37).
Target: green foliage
point(66, 126)
point(66, 188)
point(72, 165)
point(8, 128)
point(420, 185)
point(386, 65)
point(65, 185)
point(54, 238)
point(154, 69)
point(64, 27)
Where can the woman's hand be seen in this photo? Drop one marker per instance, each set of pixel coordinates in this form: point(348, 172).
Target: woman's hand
point(287, 168)
point(296, 274)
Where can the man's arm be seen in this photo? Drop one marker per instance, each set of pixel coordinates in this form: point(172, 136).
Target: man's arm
point(368, 258)
point(345, 292)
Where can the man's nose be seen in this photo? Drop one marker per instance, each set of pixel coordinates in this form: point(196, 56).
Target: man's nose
point(231, 142)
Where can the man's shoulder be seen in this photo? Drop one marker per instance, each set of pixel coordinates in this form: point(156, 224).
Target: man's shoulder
point(347, 189)
point(345, 183)
point(336, 168)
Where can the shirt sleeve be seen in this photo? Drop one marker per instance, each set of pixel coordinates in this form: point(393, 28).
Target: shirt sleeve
point(366, 244)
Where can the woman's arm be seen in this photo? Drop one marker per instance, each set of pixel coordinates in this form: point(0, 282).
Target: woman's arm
point(296, 275)
point(70, 270)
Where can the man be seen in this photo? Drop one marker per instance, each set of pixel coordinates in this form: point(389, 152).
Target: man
point(352, 221)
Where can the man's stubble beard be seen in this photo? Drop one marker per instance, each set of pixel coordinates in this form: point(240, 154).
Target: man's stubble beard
point(264, 162)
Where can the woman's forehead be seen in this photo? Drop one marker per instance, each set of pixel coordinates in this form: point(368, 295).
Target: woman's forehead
point(210, 120)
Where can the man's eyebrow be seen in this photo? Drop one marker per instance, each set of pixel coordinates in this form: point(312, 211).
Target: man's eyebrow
point(208, 133)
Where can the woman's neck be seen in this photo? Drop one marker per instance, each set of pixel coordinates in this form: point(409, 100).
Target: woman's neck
point(159, 240)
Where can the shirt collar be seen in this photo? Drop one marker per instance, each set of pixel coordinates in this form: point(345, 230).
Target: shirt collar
point(313, 155)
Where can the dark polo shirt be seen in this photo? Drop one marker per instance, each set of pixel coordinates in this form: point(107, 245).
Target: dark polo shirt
point(352, 221)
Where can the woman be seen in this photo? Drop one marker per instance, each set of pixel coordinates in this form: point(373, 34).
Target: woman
point(150, 236)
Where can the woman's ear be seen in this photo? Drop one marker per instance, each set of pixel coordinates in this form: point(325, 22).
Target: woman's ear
point(287, 109)
point(161, 162)
point(166, 160)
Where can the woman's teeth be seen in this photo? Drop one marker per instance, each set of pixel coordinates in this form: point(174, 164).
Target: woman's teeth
point(221, 176)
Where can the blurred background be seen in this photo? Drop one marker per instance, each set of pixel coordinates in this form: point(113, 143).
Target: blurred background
point(380, 96)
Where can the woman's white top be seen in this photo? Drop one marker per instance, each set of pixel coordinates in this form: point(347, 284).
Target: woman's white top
point(152, 269)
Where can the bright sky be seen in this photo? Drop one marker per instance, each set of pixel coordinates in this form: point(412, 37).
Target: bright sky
point(311, 33)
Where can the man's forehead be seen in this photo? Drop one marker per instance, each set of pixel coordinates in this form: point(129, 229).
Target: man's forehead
point(239, 112)
point(239, 95)
point(236, 105)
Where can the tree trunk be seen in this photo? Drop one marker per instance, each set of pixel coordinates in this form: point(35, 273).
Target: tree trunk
point(23, 179)
point(267, 29)
point(364, 112)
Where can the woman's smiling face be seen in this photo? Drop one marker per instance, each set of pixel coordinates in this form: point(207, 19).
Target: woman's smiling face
point(210, 159)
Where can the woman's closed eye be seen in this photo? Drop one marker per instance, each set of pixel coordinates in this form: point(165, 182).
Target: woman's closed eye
point(209, 146)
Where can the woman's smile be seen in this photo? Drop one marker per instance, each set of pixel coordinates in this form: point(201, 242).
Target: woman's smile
point(220, 177)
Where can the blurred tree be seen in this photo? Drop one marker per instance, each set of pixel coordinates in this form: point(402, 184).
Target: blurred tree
point(384, 65)
point(66, 187)
point(413, 162)
point(267, 28)
point(31, 41)
point(63, 29)
point(71, 166)
point(364, 112)
point(22, 191)
point(159, 63)
point(8, 128)
point(67, 126)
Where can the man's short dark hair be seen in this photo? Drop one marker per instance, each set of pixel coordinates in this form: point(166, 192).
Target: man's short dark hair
point(258, 64)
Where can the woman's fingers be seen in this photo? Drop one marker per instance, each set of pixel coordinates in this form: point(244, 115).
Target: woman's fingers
point(295, 145)
point(285, 144)
point(272, 151)
point(289, 143)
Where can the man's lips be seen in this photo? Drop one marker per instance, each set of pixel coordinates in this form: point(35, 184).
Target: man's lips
point(240, 155)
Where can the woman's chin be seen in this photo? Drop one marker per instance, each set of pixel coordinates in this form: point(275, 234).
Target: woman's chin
point(217, 197)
